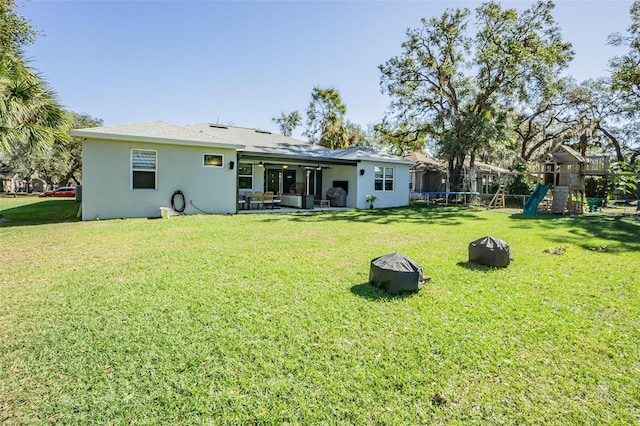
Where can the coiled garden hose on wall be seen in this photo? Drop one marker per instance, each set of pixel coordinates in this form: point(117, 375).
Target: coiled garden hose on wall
point(183, 202)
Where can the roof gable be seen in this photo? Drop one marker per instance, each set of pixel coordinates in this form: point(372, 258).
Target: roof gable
point(565, 154)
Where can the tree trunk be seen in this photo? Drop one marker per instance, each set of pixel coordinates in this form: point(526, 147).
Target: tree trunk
point(455, 175)
point(68, 177)
point(614, 142)
point(583, 144)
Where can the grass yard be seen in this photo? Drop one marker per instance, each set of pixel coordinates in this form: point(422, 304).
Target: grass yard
point(268, 319)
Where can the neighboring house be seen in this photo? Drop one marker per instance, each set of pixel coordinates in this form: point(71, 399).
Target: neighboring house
point(431, 175)
point(7, 182)
point(8, 179)
point(427, 174)
point(133, 170)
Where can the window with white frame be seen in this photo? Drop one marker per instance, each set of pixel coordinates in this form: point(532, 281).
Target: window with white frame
point(245, 176)
point(213, 160)
point(144, 166)
point(383, 178)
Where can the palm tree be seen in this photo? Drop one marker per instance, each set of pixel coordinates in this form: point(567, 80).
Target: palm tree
point(29, 113)
point(30, 117)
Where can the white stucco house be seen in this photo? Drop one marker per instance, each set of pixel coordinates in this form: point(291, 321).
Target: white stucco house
point(133, 170)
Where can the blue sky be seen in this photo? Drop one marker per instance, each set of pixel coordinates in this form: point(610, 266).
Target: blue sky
point(243, 63)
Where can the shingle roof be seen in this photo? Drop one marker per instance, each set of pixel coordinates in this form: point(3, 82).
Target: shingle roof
point(368, 154)
point(483, 167)
point(250, 141)
point(424, 162)
point(262, 142)
point(155, 131)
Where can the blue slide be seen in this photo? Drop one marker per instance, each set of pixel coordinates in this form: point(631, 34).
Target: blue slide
point(531, 206)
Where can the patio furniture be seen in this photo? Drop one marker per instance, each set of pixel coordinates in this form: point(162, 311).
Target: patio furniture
point(297, 188)
point(595, 204)
point(247, 196)
point(291, 200)
point(268, 199)
point(257, 199)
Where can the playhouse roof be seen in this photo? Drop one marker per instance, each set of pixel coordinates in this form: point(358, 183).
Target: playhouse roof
point(565, 154)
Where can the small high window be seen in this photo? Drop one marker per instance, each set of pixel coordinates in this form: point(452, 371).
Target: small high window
point(213, 160)
point(144, 165)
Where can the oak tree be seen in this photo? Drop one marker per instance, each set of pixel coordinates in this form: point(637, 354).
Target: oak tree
point(455, 89)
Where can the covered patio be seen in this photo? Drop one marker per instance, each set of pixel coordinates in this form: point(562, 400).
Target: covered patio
point(292, 181)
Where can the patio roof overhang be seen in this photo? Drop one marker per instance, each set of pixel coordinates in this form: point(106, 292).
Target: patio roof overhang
point(294, 159)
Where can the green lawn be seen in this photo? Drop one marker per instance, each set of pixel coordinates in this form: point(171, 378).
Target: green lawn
point(268, 319)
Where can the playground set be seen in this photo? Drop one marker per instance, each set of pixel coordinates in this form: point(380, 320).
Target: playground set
point(561, 183)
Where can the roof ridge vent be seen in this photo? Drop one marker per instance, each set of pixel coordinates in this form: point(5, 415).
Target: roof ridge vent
point(218, 126)
point(262, 131)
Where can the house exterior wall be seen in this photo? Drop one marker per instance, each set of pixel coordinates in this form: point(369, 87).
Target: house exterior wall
point(362, 185)
point(366, 185)
point(107, 192)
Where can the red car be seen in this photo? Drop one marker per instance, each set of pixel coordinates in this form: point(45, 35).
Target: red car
point(65, 191)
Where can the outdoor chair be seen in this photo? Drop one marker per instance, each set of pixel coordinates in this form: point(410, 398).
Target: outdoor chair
point(268, 199)
point(257, 199)
point(277, 199)
point(246, 199)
